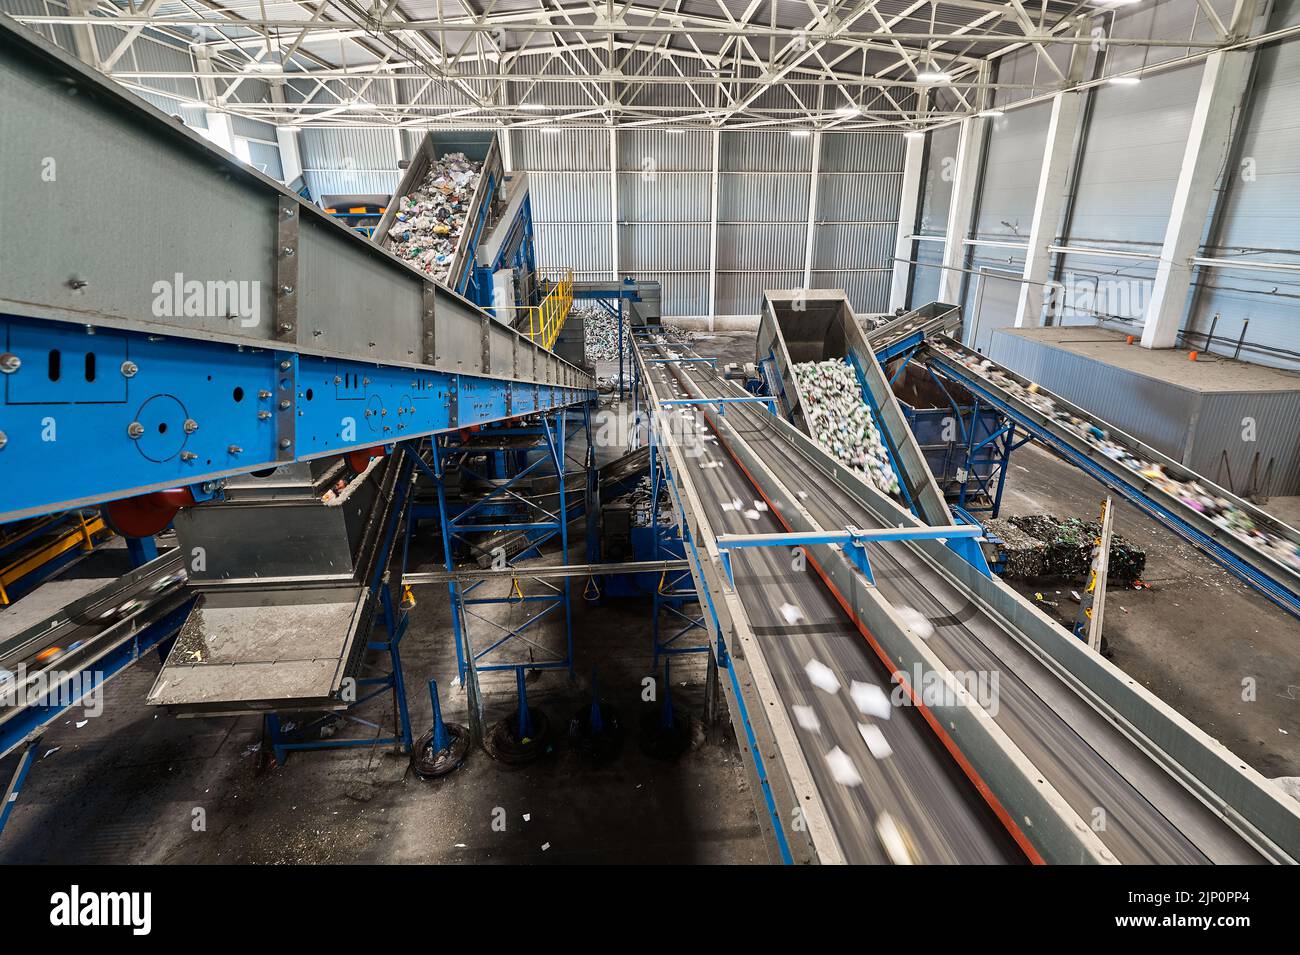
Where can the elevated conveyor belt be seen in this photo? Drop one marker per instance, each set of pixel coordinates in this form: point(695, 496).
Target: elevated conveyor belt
point(900, 333)
point(1187, 503)
point(1067, 729)
point(818, 324)
point(224, 327)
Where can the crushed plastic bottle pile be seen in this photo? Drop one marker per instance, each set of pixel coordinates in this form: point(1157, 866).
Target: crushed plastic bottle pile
point(842, 423)
point(600, 332)
point(431, 218)
point(1220, 511)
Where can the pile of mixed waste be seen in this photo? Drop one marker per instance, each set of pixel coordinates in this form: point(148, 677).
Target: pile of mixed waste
point(1221, 512)
point(431, 218)
point(842, 423)
point(1042, 545)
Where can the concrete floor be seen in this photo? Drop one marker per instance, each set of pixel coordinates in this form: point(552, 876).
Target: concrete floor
point(127, 786)
point(1195, 637)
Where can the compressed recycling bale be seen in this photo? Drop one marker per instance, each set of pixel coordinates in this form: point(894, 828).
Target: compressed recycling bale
point(600, 333)
point(1022, 554)
point(842, 423)
point(430, 220)
point(1069, 543)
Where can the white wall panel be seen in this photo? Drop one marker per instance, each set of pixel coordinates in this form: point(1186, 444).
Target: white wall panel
point(1135, 143)
point(1013, 161)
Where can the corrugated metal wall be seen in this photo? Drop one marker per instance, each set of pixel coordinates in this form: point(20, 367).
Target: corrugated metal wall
point(763, 184)
point(859, 188)
point(664, 183)
point(569, 187)
point(348, 161)
point(664, 203)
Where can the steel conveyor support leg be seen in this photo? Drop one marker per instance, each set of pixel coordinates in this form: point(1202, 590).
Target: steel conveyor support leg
point(141, 550)
point(440, 737)
point(396, 630)
point(444, 524)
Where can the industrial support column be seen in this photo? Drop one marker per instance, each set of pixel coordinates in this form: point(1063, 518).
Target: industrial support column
point(913, 156)
point(1049, 206)
point(1223, 88)
point(810, 238)
point(1052, 198)
point(962, 209)
point(713, 233)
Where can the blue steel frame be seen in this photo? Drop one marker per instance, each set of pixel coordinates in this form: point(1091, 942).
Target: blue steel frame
point(670, 594)
point(959, 538)
point(1279, 594)
point(476, 284)
point(232, 395)
point(552, 429)
point(907, 349)
point(723, 658)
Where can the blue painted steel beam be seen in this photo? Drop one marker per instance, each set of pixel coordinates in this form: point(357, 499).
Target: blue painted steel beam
point(959, 538)
point(894, 349)
point(95, 417)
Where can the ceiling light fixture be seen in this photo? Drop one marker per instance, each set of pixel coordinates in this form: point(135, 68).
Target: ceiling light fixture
point(991, 113)
point(1125, 80)
point(800, 133)
point(933, 76)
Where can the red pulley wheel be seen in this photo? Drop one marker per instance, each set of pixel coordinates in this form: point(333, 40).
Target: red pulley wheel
point(147, 514)
point(360, 460)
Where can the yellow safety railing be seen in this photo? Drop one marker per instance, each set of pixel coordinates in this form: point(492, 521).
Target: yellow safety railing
point(546, 320)
point(82, 535)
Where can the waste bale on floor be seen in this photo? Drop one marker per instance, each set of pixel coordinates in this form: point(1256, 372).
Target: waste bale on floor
point(1068, 544)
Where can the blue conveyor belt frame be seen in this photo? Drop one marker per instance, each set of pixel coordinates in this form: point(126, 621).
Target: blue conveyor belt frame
point(1270, 578)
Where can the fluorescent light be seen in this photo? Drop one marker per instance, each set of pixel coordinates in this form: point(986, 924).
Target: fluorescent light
point(848, 111)
point(933, 76)
point(913, 134)
point(800, 132)
point(1125, 80)
point(990, 112)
